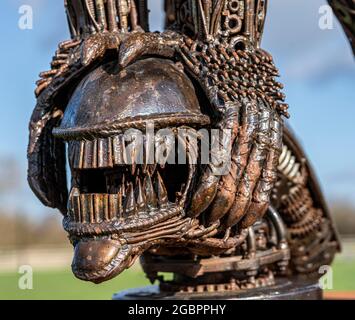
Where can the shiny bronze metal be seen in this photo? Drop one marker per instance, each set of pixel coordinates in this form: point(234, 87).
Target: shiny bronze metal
point(264, 219)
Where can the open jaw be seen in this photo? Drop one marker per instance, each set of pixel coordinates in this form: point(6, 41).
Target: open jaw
point(117, 211)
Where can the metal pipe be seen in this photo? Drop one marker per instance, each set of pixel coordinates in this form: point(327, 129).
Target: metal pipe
point(133, 15)
point(202, 12)
point(70, 18)
point(90, 7)
point(216, 17)
point(279, 226)
point(123, 11)
point(112, 15)
point(101, 14)
point(250, 19)
point(143, 14)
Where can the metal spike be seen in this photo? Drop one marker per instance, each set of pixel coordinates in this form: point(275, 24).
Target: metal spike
point(84, 205)
point(130, 203)
point(152, 168)
point(76, 154)
point(81, 154)
point(118, 150)
point(134, 158)
point(99, 210)
point(102, 153)
point(75, 202)
point(133, 168)
point(105, 203)
point(119, 205)
point(88, 155)
point(151, 197)
point(91, 208)
point(123, 187)
point(161, 191)
point(141, 201)
point(109, 152)
point(113, 206)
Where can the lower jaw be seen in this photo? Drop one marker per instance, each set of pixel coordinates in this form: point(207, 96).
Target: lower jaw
point(117, 265)
point(132, 242)
point(130, 225)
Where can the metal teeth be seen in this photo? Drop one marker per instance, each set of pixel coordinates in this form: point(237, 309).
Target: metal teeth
point(97, 153)
point(123, 188)
point(151, 169)
point(141, 200)
point(90, 152)
point(161, 191)
point(150, 193)
point(104, 153)
point(130, 203)
point(112, 151)
point(113, 206)
point(129, 197)
point(75, 204)
point(134, 190)
point(98, 208)
point(85, 207)
point(119, 150)
point(94, 208)
point(120, 205)
point(90, 207)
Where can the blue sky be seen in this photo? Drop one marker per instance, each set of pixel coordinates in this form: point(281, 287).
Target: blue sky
point(316, 66)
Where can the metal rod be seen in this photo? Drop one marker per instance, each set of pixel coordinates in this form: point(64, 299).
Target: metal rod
point(70, 18)
point(101, 15)
point(208, 7)
point(203, 18)
point(122, 6)
point(90, 7)
point(134, 15)
point(250, 19)
point(112, 15)
point(216, 17)
point(143, 14)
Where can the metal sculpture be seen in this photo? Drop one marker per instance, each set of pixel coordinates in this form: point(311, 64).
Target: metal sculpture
point(345, 12)
point(262, 219)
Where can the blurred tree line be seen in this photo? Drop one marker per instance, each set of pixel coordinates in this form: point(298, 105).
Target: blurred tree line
point(20, 231)
point(19, 228)
point(344, 215)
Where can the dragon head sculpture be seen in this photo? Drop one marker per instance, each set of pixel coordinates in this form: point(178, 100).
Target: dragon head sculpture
point(128, 103)
point(121, 202)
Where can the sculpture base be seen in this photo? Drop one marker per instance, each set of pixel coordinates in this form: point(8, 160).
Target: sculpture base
point(285, 289)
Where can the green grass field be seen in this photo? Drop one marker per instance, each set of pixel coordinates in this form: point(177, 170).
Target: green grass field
point(63, 285)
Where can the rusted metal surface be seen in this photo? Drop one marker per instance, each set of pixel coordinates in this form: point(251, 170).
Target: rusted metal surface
point(262, 219)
